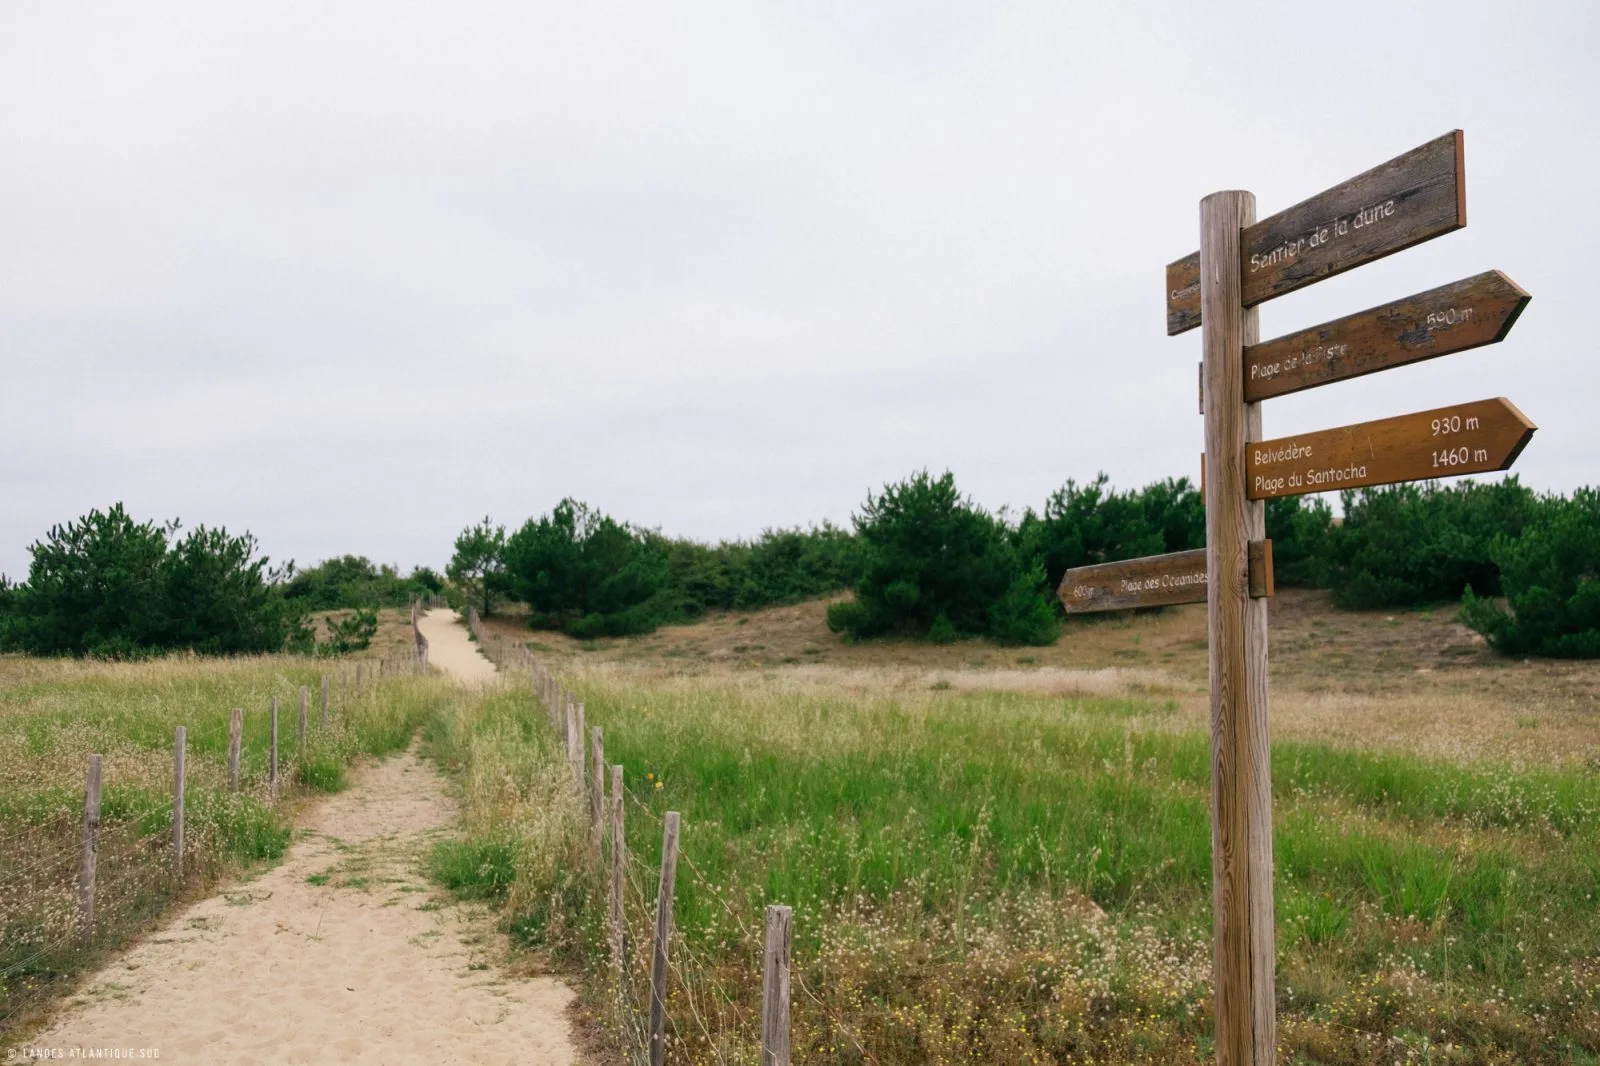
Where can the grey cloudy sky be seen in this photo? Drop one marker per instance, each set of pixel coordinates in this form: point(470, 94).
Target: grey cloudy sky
point(351, 275)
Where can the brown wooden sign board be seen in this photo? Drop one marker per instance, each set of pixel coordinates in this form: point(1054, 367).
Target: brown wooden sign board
point(1469, 438)
point(1410, 199)
point(1452, 318)
point(1155, 581)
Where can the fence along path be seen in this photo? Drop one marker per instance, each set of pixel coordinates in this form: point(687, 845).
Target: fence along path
point(669, 1004)
point(342, 952)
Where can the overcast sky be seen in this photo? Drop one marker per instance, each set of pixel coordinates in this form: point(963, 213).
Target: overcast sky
point(351, 275)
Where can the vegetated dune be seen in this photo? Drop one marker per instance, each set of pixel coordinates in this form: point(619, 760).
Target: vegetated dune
point(1407, 680)
point(1003, 855)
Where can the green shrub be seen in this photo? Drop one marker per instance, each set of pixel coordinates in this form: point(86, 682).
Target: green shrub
point(1083, 525)
point(931, 558)
point(478, 566)
point(354, 581)
point(583, 571)
point(351, 632)
point(108, 586)
point(1413, 544)
point(1298, 527)
point(481, 868)
point(1551, 578)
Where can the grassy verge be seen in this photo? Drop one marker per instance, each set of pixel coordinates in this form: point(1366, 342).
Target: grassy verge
point(987, 877)
point(53, 713)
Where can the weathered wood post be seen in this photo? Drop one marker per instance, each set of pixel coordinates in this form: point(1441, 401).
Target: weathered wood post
point(358, 677)
point(1241, 784)
point(619, 857)
point(179, 749)
point(300, 735)
point(775, 988)
point(272, 762)
point(658, 959)
point(572, 730)
point(579, 776)
point(235, 739)
point(324, 699)
point(597, 791)
point(89, 850)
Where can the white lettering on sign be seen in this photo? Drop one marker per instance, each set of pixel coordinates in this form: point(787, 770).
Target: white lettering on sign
point(1163, 581)
point(1454, 424)
point(1278, 455)
point(1454, 316)
point(1459, 457)
point(1324, 234)
point(1322, 353)
point(1187, 291)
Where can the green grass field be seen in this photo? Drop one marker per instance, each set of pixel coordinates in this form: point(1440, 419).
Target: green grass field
point(53, 713)
point(1002, 877)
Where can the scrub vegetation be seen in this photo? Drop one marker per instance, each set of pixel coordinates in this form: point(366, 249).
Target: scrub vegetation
point(54, 713)
point(992, 871)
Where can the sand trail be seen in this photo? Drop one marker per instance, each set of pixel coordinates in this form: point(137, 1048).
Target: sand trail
point(343, 953)
point(451, 650)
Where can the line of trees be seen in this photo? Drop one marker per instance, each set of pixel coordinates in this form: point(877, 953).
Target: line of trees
point(926, 562)
point(109, 586)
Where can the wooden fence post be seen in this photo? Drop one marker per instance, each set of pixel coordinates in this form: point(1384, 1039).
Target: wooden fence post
point(775, 989)
point(235, 738)
point(180, 745)
point(300, 737)
point(619, 856)
point(577, 752)
point(658, 959)
point(324, 699)
point(572, 729)
point(1241, 786)
point(272, 764)
point(597, 790)
point(89, 850)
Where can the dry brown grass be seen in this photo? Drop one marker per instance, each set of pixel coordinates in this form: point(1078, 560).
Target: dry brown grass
point(1414, 681)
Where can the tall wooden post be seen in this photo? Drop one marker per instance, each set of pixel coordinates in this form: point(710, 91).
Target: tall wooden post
point(658, 959)
point(619, 858)
point(272, 763)
point(775, 989)
point(89, 850)
point(300, 735)
point(1241, 779)
point(577, 746)
point(235, 739)
point(324, 699)
point(179, 750)
point(597, 789)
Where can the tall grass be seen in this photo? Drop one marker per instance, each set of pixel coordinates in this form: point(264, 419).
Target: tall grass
point(988, 877)
point(54, 713)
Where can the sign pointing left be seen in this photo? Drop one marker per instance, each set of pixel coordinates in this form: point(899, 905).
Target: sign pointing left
point(1156, 581)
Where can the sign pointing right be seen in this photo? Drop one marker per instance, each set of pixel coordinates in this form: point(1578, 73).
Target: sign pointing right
point(1452, 318)
point(1469, 438)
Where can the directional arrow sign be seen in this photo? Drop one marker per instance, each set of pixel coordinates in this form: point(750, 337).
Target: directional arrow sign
point(1412, 198)
point(1155, 581)
point(1470, 438)
point(1452, 318)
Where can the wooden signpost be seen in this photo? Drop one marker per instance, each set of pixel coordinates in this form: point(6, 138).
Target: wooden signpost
point(1242, 263)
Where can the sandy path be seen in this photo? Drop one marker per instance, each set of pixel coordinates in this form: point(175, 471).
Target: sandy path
point(451, 649)
point(343, 953)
